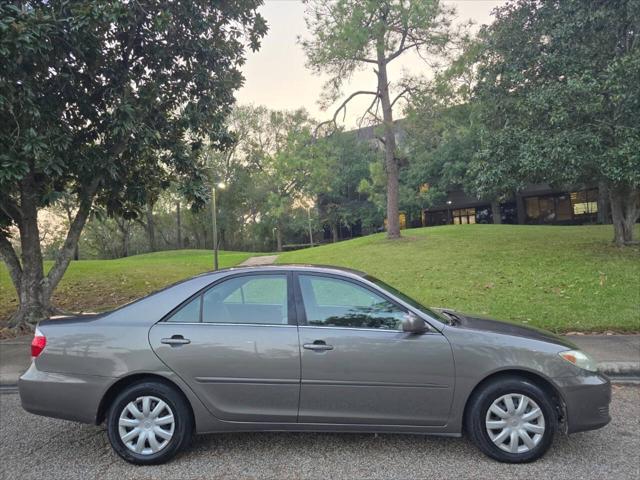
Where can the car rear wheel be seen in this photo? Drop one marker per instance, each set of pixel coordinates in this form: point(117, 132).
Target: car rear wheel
point(512, 420)
point(148, 423)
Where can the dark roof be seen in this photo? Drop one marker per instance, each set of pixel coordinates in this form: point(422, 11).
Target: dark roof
point(371, 132)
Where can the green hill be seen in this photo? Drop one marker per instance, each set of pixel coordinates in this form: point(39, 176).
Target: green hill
point(558, 278)
point(94, 285)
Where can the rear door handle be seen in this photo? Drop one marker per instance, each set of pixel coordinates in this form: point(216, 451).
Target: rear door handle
point(175, 340)
point(318, 346)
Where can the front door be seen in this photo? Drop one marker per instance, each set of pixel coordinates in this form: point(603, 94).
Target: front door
point(236, 345)
point(359, 367)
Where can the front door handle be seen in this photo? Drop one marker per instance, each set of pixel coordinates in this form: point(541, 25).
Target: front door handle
point(175, 340)
point(318, 346)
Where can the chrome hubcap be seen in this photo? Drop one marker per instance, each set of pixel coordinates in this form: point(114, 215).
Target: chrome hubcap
point(146, 425)
point(515, 423)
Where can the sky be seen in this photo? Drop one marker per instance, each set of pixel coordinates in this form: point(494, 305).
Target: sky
point(276, 75)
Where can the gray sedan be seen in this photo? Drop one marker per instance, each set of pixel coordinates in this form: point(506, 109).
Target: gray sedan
point(304, 348)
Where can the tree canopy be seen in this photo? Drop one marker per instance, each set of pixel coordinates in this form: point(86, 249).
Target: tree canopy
point(548, 93)
point(107, 100)
point(348, 35)
point(559, 95)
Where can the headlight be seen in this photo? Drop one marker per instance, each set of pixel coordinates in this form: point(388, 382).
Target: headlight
point(580, 359)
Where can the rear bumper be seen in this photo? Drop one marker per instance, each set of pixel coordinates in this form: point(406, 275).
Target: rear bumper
point(61, 395)
point(587, 398)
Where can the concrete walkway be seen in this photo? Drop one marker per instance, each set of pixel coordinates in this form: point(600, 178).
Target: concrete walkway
point(261, 260)
point(617, 355)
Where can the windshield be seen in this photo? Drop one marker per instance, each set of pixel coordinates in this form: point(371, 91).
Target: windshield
point(407, 299)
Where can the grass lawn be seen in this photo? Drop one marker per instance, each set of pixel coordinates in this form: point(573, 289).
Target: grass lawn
point(95, 285)
point(559, 278)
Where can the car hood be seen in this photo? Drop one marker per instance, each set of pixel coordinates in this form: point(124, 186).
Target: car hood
point(473, 322)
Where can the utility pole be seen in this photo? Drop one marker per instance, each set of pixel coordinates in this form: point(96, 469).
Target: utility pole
point(214, 214)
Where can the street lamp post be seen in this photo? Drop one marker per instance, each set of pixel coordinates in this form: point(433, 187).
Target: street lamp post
point(310, 229)
point(214, 214)
point(449, 211)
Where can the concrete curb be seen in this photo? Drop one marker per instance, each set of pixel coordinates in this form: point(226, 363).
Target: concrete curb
point(620, 369)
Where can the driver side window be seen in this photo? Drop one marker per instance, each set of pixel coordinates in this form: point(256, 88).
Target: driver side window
point(331, 302)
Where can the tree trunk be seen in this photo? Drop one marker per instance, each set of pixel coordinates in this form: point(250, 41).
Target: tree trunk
point(34, 289)
point(76, 251)
point(522, 212)
point(390, 160)
point(625, 211)
point(335, 232)
point(604, 210)
point(496, 214)
point(123, 226)
point(34, 306)
point(151, 227)
point(179, 225)
point(278, 239)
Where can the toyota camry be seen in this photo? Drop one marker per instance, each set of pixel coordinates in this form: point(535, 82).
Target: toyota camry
point(307, 348)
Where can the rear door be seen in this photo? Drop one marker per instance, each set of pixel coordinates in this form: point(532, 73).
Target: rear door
point(359, 367)
point(236, 345)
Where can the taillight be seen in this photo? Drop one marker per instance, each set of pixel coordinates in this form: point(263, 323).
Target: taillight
point(38, 343)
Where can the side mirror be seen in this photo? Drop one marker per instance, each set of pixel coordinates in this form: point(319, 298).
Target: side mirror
point(413, 324)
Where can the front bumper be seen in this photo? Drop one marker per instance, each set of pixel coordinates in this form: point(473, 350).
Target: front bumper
point(62, 395)
point(587, 398)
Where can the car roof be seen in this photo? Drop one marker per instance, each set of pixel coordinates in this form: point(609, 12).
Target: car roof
point(292, 267)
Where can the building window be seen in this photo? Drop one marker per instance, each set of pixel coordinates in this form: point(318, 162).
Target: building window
point(464, 216)
point(585, 202)
point(439, 217)
point(484, 214)
point(533, 211)
point(509, 212)
point(563, 208)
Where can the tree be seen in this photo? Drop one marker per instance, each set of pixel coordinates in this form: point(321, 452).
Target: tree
point(441, 142)
point(285, 166)
point(348, 35)
point(343, 163)
point(267, 171)
point(97, 98)
point(558, 97)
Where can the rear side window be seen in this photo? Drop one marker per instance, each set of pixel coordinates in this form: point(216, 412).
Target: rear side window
point(189, 313)
point(248, 299)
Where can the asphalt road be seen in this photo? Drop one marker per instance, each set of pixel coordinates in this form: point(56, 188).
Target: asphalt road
point(33, 447)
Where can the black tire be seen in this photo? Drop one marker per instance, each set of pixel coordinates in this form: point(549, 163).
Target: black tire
point(183, 422)
point(482, 400)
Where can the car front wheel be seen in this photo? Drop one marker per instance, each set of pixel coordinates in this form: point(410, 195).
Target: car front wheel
point(512, 420)
point(148, 423)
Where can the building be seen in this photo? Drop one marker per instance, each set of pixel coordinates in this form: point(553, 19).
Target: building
point(534, 205)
